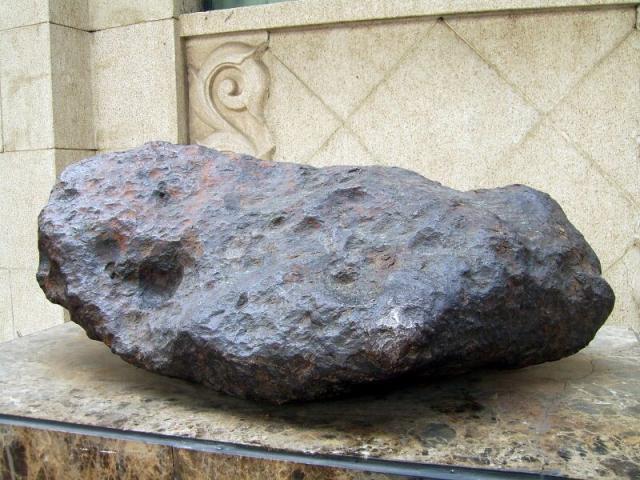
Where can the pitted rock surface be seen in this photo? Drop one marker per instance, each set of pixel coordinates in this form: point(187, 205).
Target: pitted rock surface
point(282, 282)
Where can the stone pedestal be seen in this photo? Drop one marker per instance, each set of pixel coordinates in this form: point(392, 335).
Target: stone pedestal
point(70, 409)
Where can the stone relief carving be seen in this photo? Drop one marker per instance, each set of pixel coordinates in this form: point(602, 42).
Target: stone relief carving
point(228, 93)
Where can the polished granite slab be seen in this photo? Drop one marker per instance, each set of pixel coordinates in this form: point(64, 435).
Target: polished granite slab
point(578, 417)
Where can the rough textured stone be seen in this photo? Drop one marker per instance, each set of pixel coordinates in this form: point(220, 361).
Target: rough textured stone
point(281, 281)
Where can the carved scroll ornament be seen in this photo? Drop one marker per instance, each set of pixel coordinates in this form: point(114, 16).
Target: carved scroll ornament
point(228, 93)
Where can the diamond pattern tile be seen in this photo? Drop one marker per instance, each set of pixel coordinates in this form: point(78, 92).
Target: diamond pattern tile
point(549, 100)
point(603, 115)
point(545, 54)
point(443, 113)
point(547, 161)
point(342, 148)
point(625, 281)
point(343, 64)
point(298, 121)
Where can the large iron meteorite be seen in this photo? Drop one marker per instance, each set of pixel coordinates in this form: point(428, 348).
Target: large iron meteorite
point(282, 282)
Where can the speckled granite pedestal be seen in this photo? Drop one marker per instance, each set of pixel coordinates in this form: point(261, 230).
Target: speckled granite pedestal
point(70, 409)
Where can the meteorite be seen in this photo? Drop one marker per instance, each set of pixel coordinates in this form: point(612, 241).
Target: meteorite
point(281, 282)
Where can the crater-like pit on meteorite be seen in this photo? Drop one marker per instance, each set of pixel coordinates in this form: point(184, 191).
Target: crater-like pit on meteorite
point(159, 278)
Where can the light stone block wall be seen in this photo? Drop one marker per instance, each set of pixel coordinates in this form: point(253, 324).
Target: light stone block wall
point(71, 89)
point(76, 77)
point(27, 12)
point(138, 85)
point(25, 80)
point(25, 183)
point(548, 98)
point(45, 121)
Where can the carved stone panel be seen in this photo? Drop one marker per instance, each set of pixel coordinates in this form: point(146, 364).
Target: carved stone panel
point(228, 87)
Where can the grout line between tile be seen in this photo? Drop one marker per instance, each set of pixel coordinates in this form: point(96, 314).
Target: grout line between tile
point(610, 180)
point(613, 264)
point(357, 138)
point(52, 78)
point(172, 451)
point(69, 26)
point(377, 160)
point(344, 121)
point(570, 90)
point(495, 69)
point(181, 77)
point(410, 50)
point(589, 71)
point(132, 24)
point(95, 92)
point(23, 26)
point(52, 149)
point(547, 115)
point(308, 89)
point(364, 146)
point(88, 149)
point(322, 145)
point(516, 146)
point(53, 23)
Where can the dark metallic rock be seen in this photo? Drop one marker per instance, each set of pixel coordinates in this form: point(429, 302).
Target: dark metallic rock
point(281, 282)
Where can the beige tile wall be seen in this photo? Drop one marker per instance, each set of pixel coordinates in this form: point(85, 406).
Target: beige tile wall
point(547, 99)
